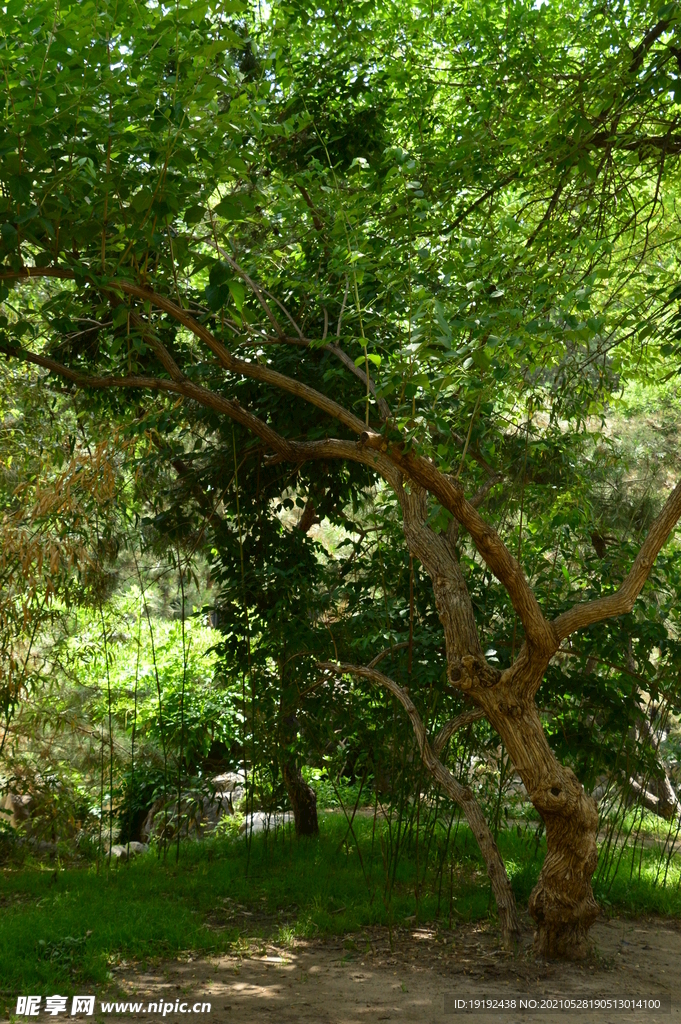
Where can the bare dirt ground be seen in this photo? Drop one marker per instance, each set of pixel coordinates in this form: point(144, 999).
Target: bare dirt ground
point(359, 979)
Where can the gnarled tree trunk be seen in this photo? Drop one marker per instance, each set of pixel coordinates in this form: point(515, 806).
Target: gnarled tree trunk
point(562, 903)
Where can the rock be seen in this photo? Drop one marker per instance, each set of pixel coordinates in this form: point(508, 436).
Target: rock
point(18, 808)
point(199, 814)
point(231, 800)
point(212, 810)
point(122, 850)
point(150, 827)
point(601, 786)
point(231, 787)
point(516, 787)
point(228, 782)
point(262, 821)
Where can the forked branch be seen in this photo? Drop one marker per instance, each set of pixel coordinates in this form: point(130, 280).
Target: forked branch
point(290, 451)
point(239, 366)
point(388, 459)
point(506, 568)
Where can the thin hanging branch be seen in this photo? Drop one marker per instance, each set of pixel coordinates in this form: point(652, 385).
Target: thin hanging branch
point(184, 680)
point(134, 716)
point(461, 795)
point(108, 692)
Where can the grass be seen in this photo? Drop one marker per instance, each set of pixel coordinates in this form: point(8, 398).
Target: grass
point(62, 928)
point(635, 820)
point(642, 885)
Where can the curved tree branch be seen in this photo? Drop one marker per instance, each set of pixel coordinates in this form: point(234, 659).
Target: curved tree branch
point(449, 728)
point(622, 601)
point(651, 37)
point(291, 451)
point(372, 449)
point(389, 650)
point(539, 633)
point(389, 460)
point(461, 795)
point(337, 351)
point(347, 361)
point(253, 370)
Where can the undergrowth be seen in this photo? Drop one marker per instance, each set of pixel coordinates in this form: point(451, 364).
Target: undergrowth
point(61, 930)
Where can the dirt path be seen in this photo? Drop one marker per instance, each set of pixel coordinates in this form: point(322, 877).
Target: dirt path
point(358, 979)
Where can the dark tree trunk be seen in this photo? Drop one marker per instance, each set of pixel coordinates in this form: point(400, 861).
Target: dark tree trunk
point(302, 797)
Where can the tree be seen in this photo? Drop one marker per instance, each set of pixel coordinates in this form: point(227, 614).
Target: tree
point(495, 250)
point(268, 610)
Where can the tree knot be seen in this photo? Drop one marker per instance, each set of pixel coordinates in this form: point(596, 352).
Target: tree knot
point(473, 671)
point(511, 708)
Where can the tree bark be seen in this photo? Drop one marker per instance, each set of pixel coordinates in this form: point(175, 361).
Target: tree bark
point(562, 903)
point(302, 797)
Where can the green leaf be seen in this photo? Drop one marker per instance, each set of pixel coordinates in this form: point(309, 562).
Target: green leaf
point(238, 293)
point(235, 207)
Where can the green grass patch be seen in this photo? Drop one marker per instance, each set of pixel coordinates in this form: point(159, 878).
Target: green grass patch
point(642, 882)
point(62, 928)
